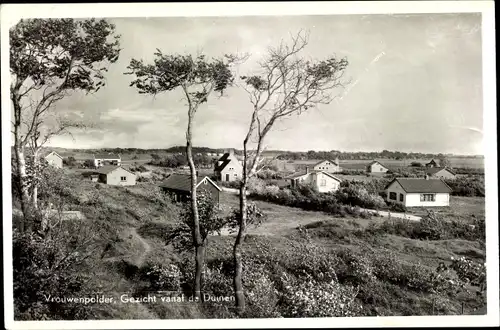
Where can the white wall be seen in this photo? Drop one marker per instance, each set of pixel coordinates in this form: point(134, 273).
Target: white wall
point(331, 184)
point(441, 199)
point(396, 187)
point(327, 166)
point(237, 169)
point(377, 168)
point(413, 199)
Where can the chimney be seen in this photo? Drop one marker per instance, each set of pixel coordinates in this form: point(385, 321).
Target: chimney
point(337, 160)
point(427, 176)
point(307, 169)
point(231, 152)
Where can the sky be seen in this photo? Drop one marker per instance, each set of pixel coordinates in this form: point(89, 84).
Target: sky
point(416, 85)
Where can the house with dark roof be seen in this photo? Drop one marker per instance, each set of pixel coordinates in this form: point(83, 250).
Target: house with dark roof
point(330, 166)
point(412, 192)
point(115, 176)
point(440, 173)
point(322, 181)
point(376, 167)
point(432, 163)
point(179, 185)
point(228, 167)
point(107, 159)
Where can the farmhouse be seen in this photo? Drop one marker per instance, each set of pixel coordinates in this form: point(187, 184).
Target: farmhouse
point(418, 192)
point(116, 176)
point(432, 163)
point(180, 186)
point(228, 167)
point(107, 159)
point(328, 166)
point(440, 173)
point(320, 180)
point(376, 167)
point(54, 159)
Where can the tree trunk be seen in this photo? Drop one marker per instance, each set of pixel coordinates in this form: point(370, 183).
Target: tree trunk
point(197, 240)
point(25, 224)
point(35, 181)
point(237, 251)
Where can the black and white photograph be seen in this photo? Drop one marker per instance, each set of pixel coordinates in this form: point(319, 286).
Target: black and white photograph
point(287, 164)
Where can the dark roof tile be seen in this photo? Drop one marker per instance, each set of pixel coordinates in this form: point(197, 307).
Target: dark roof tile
point(412, 185)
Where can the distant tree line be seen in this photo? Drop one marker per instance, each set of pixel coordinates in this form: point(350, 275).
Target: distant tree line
point(385, 154)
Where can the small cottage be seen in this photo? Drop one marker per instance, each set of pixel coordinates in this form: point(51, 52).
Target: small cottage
point(412, 192)
point(228, 167)
point(116, 176)
point(330, 166)
point(54, 159)
point(320, 180)
point(440, 173)
point(376, 167)
point(107, 159)
point(432, 164)
point(179, 185)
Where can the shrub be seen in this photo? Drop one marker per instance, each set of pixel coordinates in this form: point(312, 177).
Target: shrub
point(309, 298)
point(467, 186)
point(396, 207)
point(163, 277)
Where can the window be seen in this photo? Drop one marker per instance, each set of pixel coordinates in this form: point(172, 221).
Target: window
point(123, 178)
point(205, 182)
point(427, 197)
point(393, 196)
point(235, 174)
point(323, 182)
point(401, 197)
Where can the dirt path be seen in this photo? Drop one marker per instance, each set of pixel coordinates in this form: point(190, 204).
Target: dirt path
point(145, 245)
point(136, 258)
point(386, 214)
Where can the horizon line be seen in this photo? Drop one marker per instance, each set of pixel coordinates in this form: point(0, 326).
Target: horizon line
point(275, 150)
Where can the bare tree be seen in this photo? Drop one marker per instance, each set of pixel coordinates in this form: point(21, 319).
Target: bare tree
point(49, 58)
point(41, 135)
point(198, 78)
point(286, 85)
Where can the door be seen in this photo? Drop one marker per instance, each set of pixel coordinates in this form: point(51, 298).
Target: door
point(227, 177)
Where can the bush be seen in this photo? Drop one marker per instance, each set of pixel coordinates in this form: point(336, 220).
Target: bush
point(396, 207)
point(467, 186)
point(162, 278)
point(309, 298)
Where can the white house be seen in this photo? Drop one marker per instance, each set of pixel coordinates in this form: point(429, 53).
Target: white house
point(322, 181)
point(440, 173)
point(107, 159)
point(228, 167)
point(54, 159)
point(376, 167)
point(116, 176)
point(328, 166)
point(418, 192)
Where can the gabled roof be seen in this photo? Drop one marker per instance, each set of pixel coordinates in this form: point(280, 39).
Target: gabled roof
point(298, 175)
point(412, 185)
point(376, 162)
point(107, 156)
point(48, 153)
point(326, 160)
point(182, 182)
point(432, 161)
point(225, 161)
point(434, 170)
point(110, 168)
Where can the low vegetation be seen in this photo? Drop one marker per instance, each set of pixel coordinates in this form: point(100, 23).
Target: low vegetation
point(340, 266)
